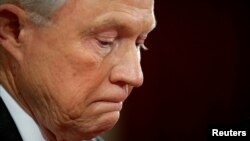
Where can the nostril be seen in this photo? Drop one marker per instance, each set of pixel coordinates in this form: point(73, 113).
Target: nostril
point(127, 71)
point(125, 76)
point(121, 84)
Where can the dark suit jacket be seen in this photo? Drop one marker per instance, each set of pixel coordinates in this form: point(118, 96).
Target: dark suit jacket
point(8, 129)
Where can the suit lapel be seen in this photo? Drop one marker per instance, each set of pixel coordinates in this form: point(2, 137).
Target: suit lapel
point(8, 129)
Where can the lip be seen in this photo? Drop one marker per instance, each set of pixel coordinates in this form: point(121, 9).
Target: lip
point(112, 102)
point(111, 106)
point(109, 101)
point(115, 97)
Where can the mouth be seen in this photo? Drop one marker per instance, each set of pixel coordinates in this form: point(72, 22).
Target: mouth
point(113, 98)
point(110, 106)
point(111, 102)
point(102, 107)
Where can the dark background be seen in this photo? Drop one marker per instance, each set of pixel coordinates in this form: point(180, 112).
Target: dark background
point(196, 72)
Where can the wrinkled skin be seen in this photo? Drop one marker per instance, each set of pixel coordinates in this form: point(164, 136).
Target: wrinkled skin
point(73, 75)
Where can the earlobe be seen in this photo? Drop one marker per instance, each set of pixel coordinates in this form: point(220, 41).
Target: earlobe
point(11, 21)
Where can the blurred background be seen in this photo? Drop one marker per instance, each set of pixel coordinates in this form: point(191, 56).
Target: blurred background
point(196, 73)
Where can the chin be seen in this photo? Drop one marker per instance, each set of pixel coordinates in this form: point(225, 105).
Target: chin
point(87, 129)
point(104, 123)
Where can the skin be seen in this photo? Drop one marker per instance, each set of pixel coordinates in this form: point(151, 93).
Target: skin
point(73, 76)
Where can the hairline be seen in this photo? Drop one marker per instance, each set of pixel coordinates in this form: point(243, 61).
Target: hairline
point(39, 11)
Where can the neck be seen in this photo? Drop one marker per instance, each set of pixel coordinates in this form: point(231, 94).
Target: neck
point(7, 80)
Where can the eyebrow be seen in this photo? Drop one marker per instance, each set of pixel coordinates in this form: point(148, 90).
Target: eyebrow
point(114, 23)
point(109, 23)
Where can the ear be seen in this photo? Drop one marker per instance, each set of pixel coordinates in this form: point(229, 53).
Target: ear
point(11, 22)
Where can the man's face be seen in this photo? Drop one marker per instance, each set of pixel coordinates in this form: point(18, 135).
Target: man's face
point(76, 73)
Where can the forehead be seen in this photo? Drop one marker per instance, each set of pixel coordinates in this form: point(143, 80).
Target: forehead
point(129, 12)
point(90, 5)
point(109, 11)
point(144, 4)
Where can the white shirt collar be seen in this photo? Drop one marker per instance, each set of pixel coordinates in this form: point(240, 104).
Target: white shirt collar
point(27, 127)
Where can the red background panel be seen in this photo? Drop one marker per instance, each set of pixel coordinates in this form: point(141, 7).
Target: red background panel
point(196, 72)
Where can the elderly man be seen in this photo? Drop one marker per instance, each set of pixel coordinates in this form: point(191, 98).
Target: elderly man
point(66, 66)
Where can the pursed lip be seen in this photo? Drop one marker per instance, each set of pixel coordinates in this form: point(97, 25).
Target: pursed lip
point(110, 100)
point(110, 106)
point(115, 97)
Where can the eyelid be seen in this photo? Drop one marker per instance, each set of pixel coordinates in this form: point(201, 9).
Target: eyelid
point(107, 36)
point(106, 42)
point(108, 33)
point(106, 39)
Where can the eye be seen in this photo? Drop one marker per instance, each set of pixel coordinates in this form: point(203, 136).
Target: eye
point(107, 38)
point(106, 44)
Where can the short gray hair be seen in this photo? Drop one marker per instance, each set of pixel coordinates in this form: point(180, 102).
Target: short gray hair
point(39, 10)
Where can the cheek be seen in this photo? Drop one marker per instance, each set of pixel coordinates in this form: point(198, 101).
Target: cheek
point(72, 79)
point(62, 79)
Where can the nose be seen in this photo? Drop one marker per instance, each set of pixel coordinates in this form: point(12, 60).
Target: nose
point(128, 69)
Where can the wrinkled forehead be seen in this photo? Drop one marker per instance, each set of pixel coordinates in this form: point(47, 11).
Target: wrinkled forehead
point(141, 4)
point(96, 8)
point(144, 4)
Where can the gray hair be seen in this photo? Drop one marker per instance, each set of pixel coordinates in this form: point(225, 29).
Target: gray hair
point(39, 10)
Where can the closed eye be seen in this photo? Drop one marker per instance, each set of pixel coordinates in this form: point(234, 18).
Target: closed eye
point(106, 44)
